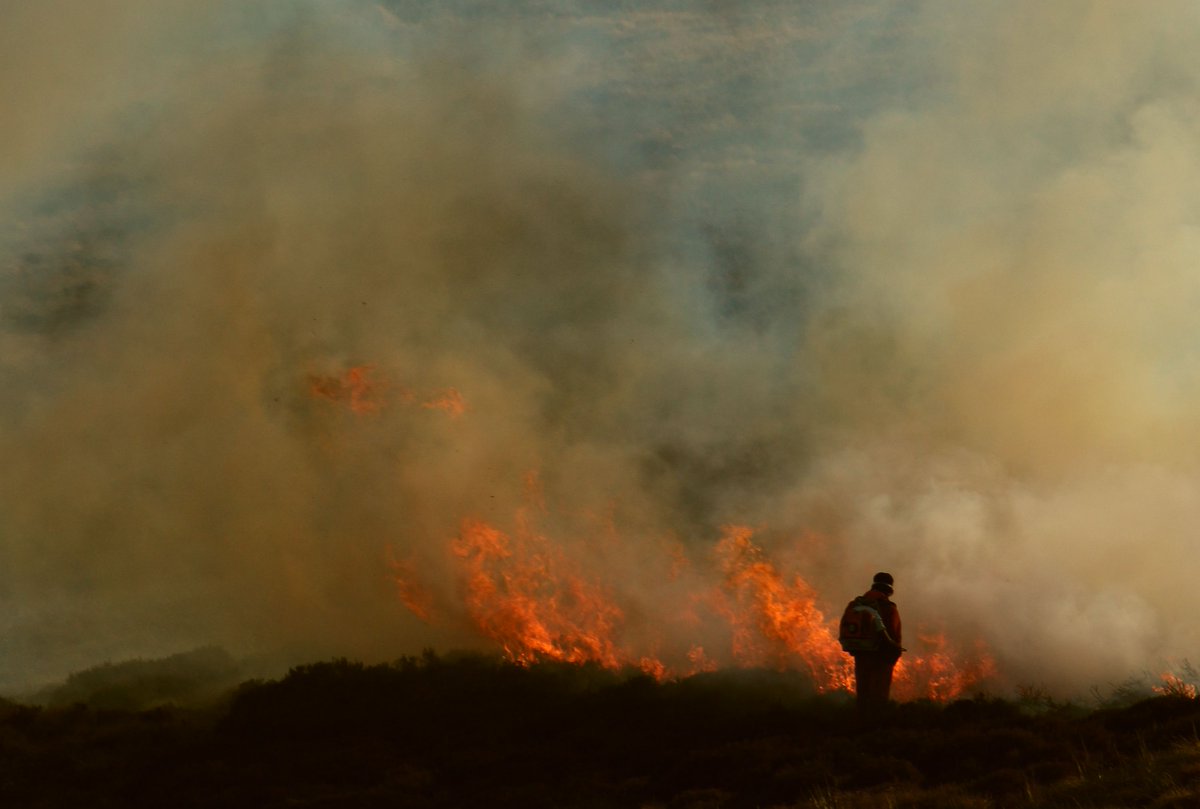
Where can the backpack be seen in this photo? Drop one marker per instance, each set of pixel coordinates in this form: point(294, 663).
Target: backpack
point(862, 628)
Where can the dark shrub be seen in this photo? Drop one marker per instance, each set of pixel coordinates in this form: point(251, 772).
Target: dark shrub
point(1001, 783)
point(877, 770)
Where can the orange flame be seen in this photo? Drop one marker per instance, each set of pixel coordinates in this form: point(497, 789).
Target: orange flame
point(775, 623)
point(359, 390)
point(449, 400)
point(412, 592)
point(355, 387)
point(1174, 686)
point(522, 592)
point(700, 661)
point(937, 675)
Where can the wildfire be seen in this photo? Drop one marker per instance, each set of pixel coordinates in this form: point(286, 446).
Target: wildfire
point(412, 593)
point(449, 400)
point(936, 674)
point(534, 600)
point(775, 623)
point(1174, 686)
point(358, 389)
point(524, 593)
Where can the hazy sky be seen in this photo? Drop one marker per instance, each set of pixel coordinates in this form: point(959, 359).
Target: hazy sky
point(918, 279)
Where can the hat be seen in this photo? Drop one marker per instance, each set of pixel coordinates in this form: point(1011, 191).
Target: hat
point(883, 582)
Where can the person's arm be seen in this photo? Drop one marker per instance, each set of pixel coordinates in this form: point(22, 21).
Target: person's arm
point(893, 627)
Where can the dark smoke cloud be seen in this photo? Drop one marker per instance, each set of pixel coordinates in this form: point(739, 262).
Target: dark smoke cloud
point(915, 280)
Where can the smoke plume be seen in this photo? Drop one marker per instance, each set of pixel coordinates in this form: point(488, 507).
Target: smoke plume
point(288, 292)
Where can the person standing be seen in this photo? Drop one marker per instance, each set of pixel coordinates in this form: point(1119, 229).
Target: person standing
point(870, 631)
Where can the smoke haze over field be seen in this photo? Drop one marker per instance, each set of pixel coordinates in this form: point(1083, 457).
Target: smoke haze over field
point(904, 287)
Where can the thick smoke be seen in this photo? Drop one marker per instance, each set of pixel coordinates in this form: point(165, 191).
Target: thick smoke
point(1014, 359)
point(921, 292)
point(307, 193)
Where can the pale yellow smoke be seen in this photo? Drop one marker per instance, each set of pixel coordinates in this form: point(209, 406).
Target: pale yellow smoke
point(1014, 360)
point(65, 64)
point(302, 205)
point(991, 390)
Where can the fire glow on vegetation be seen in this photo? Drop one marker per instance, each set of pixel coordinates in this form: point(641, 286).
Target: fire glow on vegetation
point(1175, 686)
point(523, 592)
point(775, 623)
point(937, 674)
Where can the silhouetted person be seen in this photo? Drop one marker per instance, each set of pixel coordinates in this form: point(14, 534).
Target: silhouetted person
point(870, 630)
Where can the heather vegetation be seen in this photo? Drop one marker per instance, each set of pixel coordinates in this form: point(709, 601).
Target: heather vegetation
point(191, 678)
point(468, 730)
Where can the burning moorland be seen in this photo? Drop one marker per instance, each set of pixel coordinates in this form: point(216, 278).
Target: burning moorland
point(295, 302)
point(540, 598)
point(522, 592)
point(606, 350)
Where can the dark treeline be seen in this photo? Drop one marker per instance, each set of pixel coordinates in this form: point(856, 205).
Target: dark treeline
point(473, 731)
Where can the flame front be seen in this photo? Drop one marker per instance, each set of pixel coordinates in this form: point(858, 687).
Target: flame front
point(521, 593)
point(774, 623)
point(538, 603)
point(938, 675)
point(525, 594)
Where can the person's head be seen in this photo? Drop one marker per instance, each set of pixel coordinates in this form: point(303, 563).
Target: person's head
point(883, 583)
